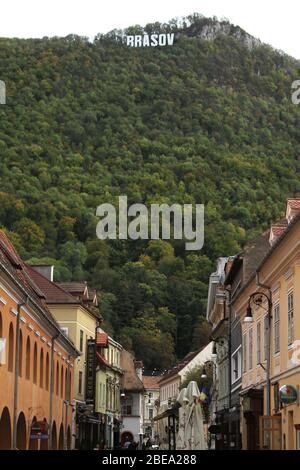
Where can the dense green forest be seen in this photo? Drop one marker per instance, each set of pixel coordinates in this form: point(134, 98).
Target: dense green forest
point(200, 122)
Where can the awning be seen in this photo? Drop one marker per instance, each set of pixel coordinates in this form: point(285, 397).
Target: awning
point(166, 414)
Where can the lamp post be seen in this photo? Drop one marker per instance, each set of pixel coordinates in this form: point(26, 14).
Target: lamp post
point(257, 299)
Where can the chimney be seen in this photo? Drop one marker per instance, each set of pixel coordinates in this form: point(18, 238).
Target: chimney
point(139, 369)
point(45, 270)
point(292, 209)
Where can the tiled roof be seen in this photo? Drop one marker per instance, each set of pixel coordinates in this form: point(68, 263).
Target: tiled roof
point(150, 382)
point(294, 203)
point(277, 229)
point(21, 274)
point(101, 360)
point(130, 379)
point(53, 292)
point(102, 339)
point(185, 361)
point(79, 288)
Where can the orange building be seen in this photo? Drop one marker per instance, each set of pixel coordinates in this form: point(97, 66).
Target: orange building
point(36, 363)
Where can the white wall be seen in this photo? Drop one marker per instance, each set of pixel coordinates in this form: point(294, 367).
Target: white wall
point(200, 359)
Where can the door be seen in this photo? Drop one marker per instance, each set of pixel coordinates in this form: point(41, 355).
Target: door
point(270, 432)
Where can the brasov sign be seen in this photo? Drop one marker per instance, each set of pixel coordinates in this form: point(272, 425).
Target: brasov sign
point(152, 40)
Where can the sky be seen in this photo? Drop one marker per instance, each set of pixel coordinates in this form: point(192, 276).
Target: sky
point(275, 22)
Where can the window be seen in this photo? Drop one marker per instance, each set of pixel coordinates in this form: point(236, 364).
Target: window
point(47, 372)
point(236, 365)
point(42, 369)
point(290, 318)
point(81, 341)
point(127, 406)
point(57, 379)
point(65, 330)
point(250, 361)
point(66, 385)
point(258, 358)
point(266, 339)
point(20, 353)
point(245, 353)
point(276, 329)
point(27, 365)
point(80, 382)
point(11, 348)
point(150, 413)
point(62, 382)
point(35, 364)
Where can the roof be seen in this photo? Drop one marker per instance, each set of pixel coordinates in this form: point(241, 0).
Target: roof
point(21, 275)
point(279, 240)
point(101, 360)
point(150, 382)
point(54, 294)
point(294, 203)
point(75, 288)
point(130, 380)
point(102, 339)
point(176, 369)
point(249, 258)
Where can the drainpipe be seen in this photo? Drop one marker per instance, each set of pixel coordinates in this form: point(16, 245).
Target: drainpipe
point(17, 367)
point(268, 380)
point(229, 359)
point(53, 339)
point(67, 402)
point(229, 345)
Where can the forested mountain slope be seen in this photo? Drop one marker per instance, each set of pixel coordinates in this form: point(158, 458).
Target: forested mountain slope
point(202, 121)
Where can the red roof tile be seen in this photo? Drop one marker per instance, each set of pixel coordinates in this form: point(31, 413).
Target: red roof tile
point(52, 291)
point(102, 339)
point(294, 203)
point(150, 382)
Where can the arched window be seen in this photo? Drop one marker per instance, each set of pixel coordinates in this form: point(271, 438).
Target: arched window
point(47, 372)
point(20, 353)
point(57, 378)
point(27, 371)
point(11, 348)
point(42, 368)
point(35, 364)
point(66, 385)
point(62, 382)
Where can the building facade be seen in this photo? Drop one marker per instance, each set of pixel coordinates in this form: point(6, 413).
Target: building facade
point(109, 377)
point(218, 316)
point(74, 307)
point(271, 341)
point(36, 363)
point(132, 398)
point(151, 405)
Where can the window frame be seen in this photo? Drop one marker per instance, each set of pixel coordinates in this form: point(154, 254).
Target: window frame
point(276, 328)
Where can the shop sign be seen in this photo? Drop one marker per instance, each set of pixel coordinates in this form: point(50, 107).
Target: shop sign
point(288, 394)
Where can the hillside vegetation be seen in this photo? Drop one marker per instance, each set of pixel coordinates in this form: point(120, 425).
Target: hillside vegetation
point(203, 121)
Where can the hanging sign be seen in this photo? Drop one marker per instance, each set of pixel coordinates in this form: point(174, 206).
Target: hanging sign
point(288, 394)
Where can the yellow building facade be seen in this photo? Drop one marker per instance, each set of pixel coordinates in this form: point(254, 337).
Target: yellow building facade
point(278, 277)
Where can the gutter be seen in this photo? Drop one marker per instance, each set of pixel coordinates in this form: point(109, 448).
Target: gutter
point(29, 297)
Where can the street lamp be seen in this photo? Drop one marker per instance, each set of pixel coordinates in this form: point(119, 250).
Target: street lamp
point(257, 299)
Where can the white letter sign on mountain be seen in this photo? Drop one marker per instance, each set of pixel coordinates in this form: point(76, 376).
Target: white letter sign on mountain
point(153, 40)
